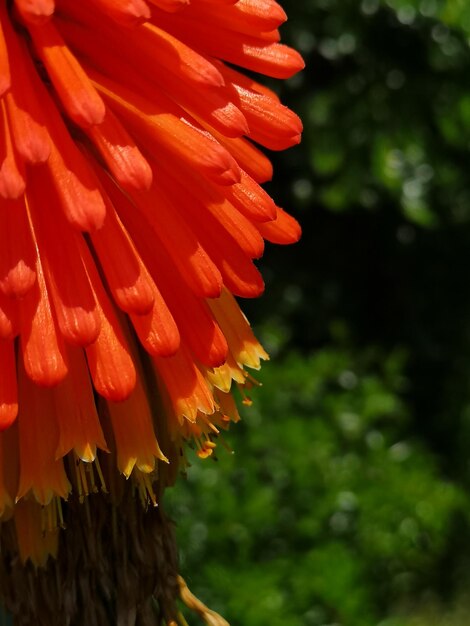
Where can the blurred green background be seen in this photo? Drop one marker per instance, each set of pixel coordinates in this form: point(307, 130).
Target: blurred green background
point(346, 501)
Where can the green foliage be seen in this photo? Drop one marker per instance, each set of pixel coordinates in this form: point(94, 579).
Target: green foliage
point(346, 500)
point(388, 113)
point(324, 513)
point(381, 186)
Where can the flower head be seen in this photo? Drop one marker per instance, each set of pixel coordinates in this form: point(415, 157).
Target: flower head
point(130, 214)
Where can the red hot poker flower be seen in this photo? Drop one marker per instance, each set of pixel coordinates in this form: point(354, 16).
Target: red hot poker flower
point(130, 216)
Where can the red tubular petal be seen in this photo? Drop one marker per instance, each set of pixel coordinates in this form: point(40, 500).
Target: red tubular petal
point(251, 200)
point(248, 157)
point(150, 50)
point(177, 58)
point(211, 105)
point(156, 327)
point(134, 434)
point(130, 284)
point(41, 345)
point(12, 184)
point(35, 11)
point(72, 177)
point(152, 63)
point(185, 385)
point(109, 359)
point(242, 230)
point(17, 252)
point(283, 230)
point(250, 17)
point(124, 159)
point(77, 417)
point(244, 347)
point(8, 317)
point(152, 66)
point(158, 127)
point(235, 225)
point(181, 245)
point(125, 12)
point(238, 271)
point(271, 124)
point(27, 121)
point(157, 330)
point(30, 137)
point(81, 201)
point(40, 472)
point(67, 280)
point(8, 384)
point(195, 322)
point(77, 94)
point(5, 76)
point(271, 59)
point(110, 364)
point(215, 2)
point(170, 5)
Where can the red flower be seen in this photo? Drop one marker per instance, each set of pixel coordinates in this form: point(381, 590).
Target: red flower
point(130, 212)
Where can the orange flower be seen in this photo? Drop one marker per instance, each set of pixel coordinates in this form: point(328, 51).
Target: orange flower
point(130, 212)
